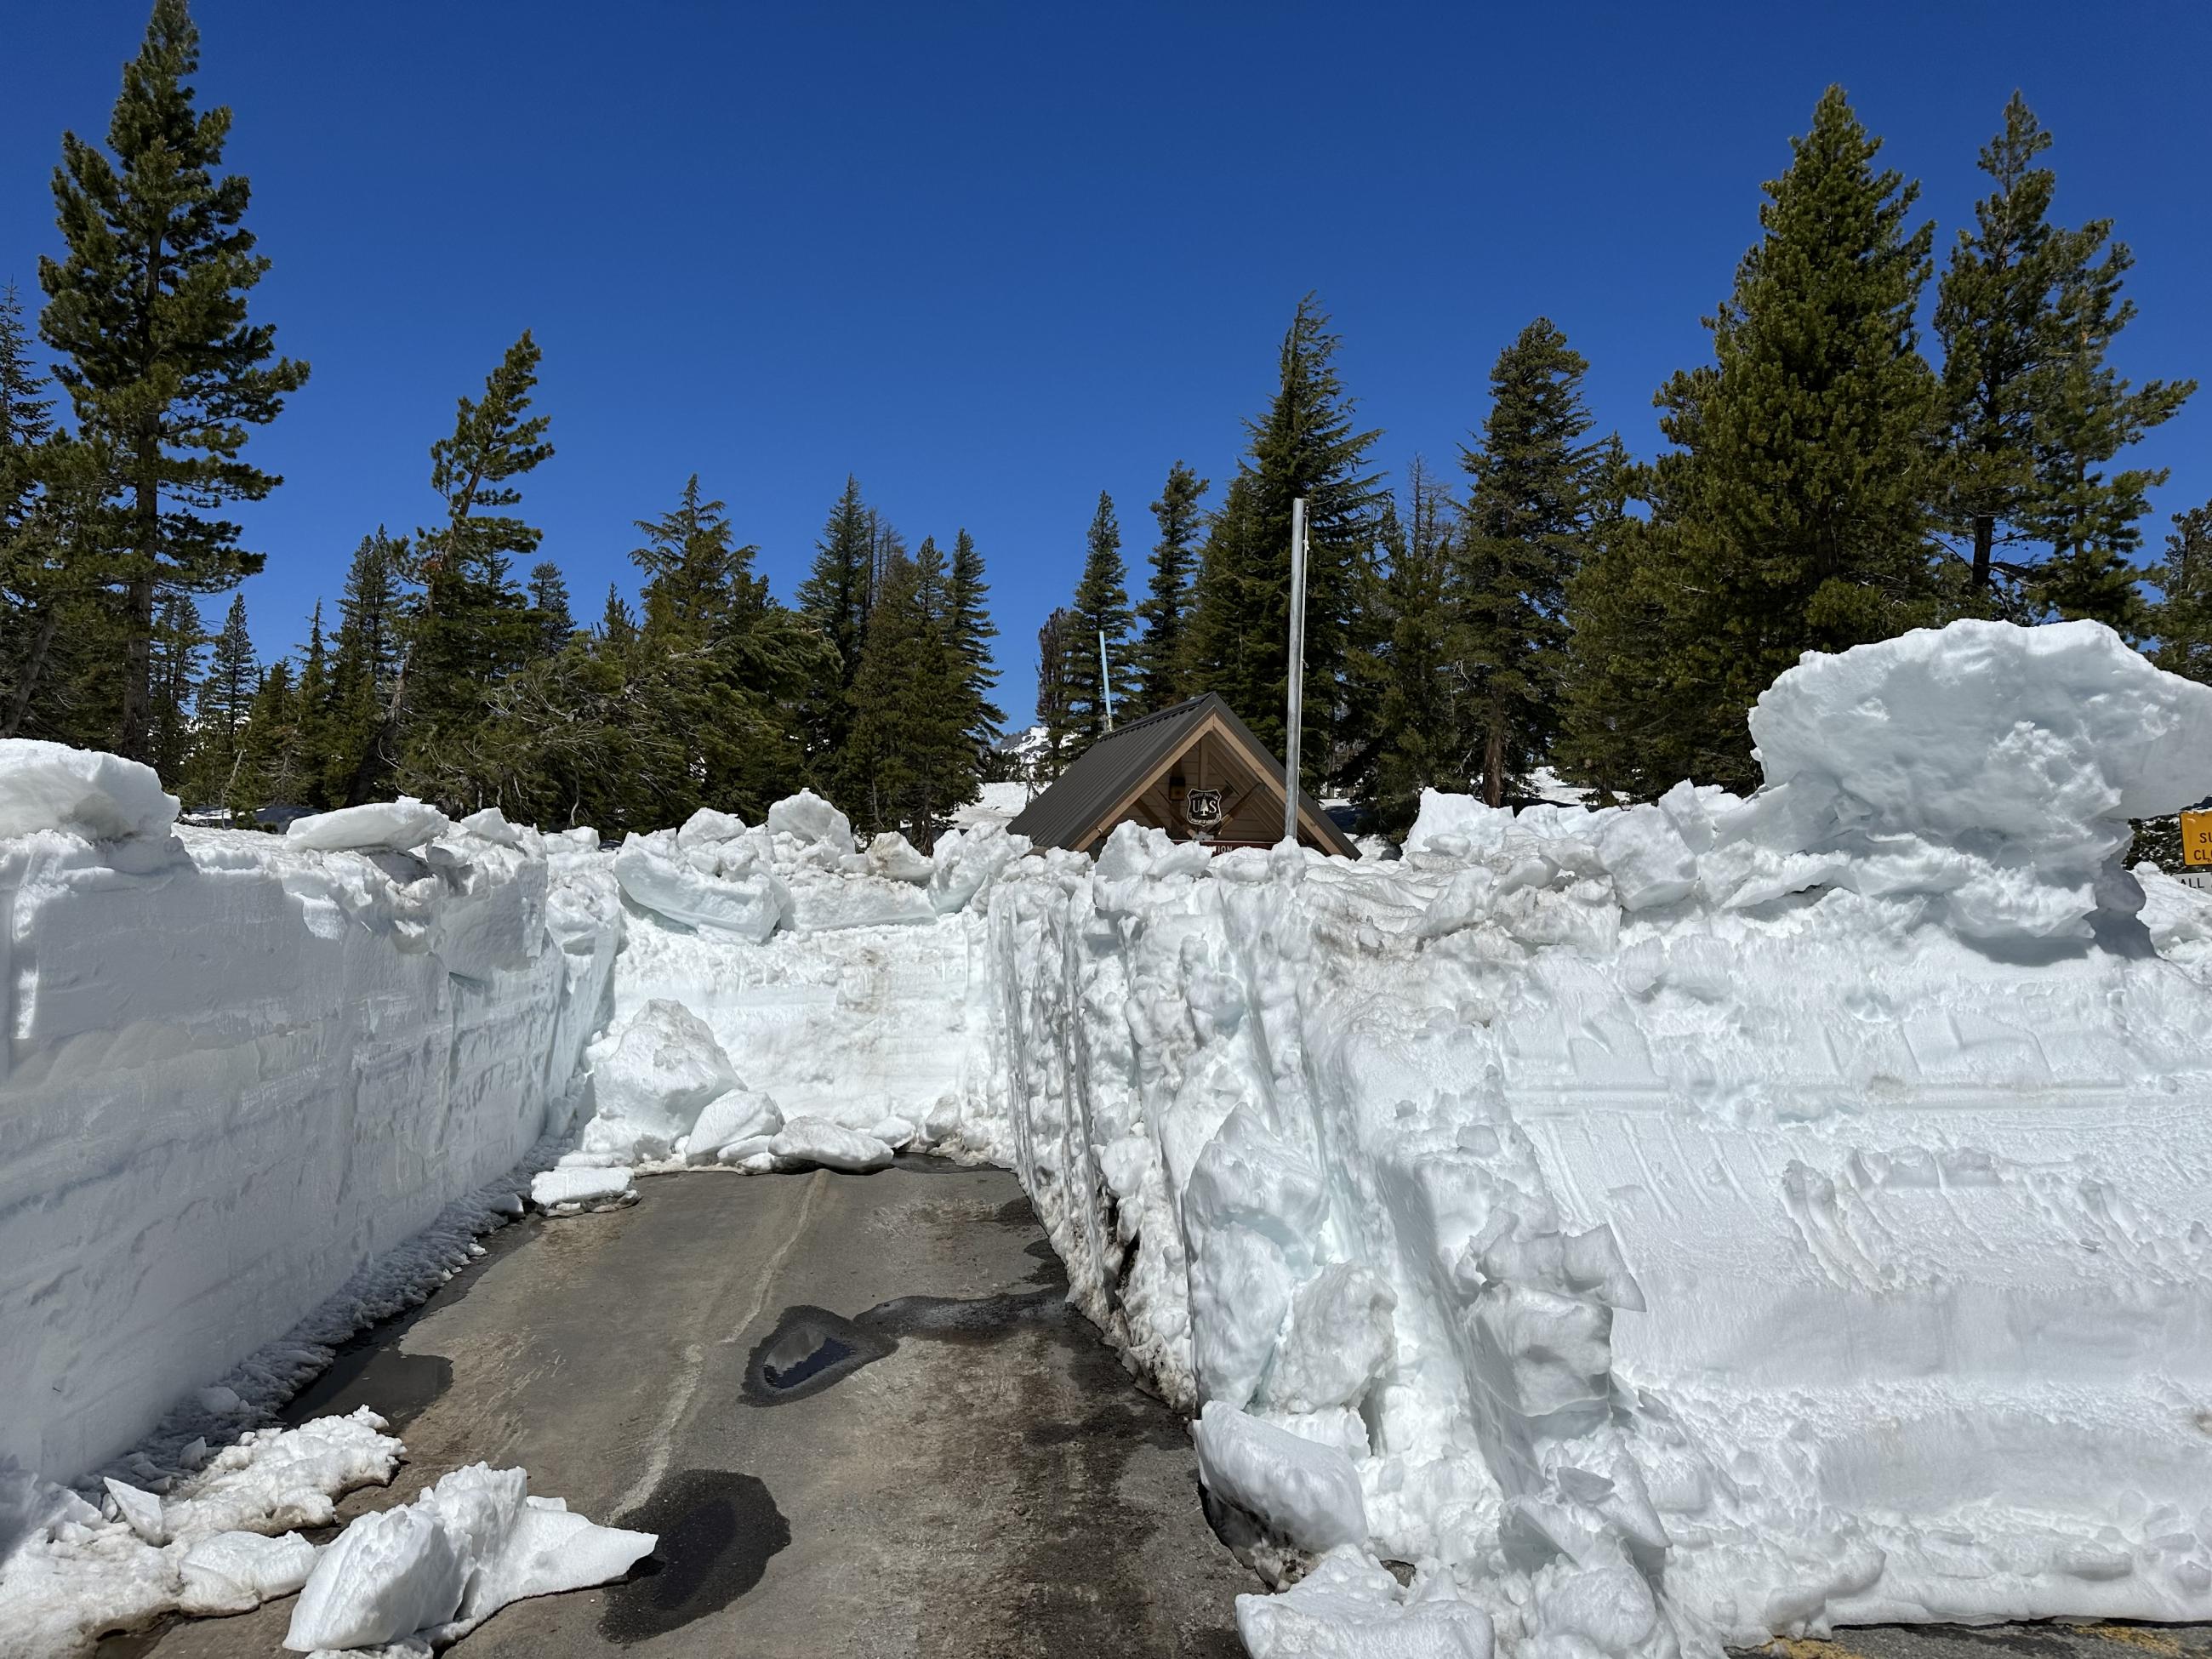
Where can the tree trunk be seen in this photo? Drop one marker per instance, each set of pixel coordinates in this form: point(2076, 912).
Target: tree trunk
point(1985, 535)
point(132, 741)
point(1493, 757)
point(34, 664)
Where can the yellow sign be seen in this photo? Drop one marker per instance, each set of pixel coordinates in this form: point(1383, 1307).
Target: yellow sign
point(2197, 838)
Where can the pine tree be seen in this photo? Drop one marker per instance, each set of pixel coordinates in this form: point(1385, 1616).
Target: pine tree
point(1101, 618)
point(315, 719)
point(1791, 515)
point(970, 630)
point(471, 625)
point(179, 640)
point(1161, 656)
point(2027, 311)
point(1422, 685)
point(148, 311)
point(548, 608)
point(30, 616)
point(270, 767)
point(618, 625)
point(697, 578)
point(2183, 619)
point(1306, 445)
point(363, 672)
point(1623, 713)
point(225, 700)
point(1058, 641)
point(909, 760)
point(1521, 545)
point(834, 598)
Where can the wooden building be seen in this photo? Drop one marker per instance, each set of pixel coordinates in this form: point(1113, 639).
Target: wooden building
point(1194, 770)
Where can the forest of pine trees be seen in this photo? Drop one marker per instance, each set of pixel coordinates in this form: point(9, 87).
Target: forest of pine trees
point(1567, 608)
point(1886, 436)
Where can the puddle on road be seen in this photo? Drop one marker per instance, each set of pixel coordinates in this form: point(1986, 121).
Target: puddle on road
point(397, 1387)
point(811, 1349)
point(718, 1530)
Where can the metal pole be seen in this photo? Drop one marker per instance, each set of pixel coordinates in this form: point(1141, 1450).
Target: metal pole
point(1106, 680)
point(1298, 668)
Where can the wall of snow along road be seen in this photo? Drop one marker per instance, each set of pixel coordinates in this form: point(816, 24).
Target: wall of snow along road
point(241, 1072)
point(1656, 1228)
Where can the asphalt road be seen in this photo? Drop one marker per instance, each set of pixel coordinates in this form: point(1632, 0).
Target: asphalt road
point(863, 1422)
point(855, 1408)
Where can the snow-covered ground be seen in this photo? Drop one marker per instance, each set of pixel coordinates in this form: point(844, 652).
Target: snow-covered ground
point(1657, 1227)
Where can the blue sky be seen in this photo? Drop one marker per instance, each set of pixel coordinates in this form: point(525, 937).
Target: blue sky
point(993, 259)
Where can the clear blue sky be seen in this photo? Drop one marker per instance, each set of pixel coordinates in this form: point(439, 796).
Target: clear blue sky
point(993, 259)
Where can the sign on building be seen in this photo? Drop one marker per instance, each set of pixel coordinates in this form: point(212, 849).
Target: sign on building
point(2197, 838)
point(1201, 810)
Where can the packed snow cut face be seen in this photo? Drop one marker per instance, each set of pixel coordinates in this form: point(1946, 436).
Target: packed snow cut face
point(1665, 1227)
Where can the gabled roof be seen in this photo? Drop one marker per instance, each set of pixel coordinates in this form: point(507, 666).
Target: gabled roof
point(1112, 772)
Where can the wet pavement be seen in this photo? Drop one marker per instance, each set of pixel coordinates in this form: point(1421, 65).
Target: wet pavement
point(855, 1408)
point(863, 1422)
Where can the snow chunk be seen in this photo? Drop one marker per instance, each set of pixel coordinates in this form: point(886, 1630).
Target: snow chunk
point(141, 1511)
point(397, 826)
point(552, 1187)
point(726, 883)
point(892, 856)
point(237, 1571)
point(965, 862)
point(80, 792)
point(737, 1114)
point(1308, 1494)
point(651, 1082)
point(807, 818)
point(1347, 1607)
point(1340, 1342)
point(1995, 765)
point(438, 1567)
point(805, 1141)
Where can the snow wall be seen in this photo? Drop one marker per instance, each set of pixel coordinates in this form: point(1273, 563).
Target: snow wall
point(241, 1070)
point(1617, 1232)
point(1658, 1227)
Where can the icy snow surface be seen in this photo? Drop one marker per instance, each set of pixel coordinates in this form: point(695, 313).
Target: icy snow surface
point(1645, 1229)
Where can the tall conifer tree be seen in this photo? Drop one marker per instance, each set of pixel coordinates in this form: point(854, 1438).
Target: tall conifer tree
point(834, 598)
point(225, 701)
point(1058, 641)
point(1419, 715)
point(2027, 311)
point(1307, 444)
point(971, 631)
point(147, 309)
point(1792, 513)
point(2183, 620)
point(1521, 545)
point(1162, 655)
point(1101, 617)
point(471, 625)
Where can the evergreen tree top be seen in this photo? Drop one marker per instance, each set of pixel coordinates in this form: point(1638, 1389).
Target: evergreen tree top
point(159, 218)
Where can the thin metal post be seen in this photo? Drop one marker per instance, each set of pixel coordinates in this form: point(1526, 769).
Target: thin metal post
point(1298, 668)
point(1106, 680)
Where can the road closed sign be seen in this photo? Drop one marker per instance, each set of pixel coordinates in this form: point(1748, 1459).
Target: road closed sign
point(2197, 838)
